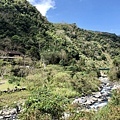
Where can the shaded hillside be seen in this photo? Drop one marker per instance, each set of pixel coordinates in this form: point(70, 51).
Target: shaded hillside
point(22, 27)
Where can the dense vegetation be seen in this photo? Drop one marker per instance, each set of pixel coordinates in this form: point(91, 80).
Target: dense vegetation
point(61, 61)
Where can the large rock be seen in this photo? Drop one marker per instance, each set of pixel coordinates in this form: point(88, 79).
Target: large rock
point(79, 100)
point(8, 114)
point(97, 94)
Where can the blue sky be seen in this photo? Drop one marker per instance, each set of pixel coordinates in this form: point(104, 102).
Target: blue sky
point(96, 15)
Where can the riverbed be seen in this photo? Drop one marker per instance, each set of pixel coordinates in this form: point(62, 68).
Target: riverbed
point(97, 99)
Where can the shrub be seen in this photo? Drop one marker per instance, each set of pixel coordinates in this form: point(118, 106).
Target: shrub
point(44, 102)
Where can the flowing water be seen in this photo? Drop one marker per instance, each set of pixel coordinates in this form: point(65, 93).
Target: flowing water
point(97, 99)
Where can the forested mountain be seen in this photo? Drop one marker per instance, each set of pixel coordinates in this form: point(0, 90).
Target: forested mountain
point(24, 29)
point(63, 59)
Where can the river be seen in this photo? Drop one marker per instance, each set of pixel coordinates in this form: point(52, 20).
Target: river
point(98, 99)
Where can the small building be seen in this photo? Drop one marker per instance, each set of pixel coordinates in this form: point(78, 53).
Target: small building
point(10, 54)
point(14, 54)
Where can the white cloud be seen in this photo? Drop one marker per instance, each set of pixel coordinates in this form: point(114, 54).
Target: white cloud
point(31, 1)
point(43, 5)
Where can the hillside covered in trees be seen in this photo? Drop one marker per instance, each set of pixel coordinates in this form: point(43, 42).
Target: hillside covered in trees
point(59, 61)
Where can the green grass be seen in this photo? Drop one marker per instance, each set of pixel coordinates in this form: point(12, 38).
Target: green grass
point(65, 92)
point(12, 98)
point(6, 85)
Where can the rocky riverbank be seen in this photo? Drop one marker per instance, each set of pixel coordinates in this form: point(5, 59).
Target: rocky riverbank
point(8, 113)
point(98, 99)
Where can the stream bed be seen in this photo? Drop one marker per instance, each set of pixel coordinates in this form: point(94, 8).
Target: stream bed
point(97, 99)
